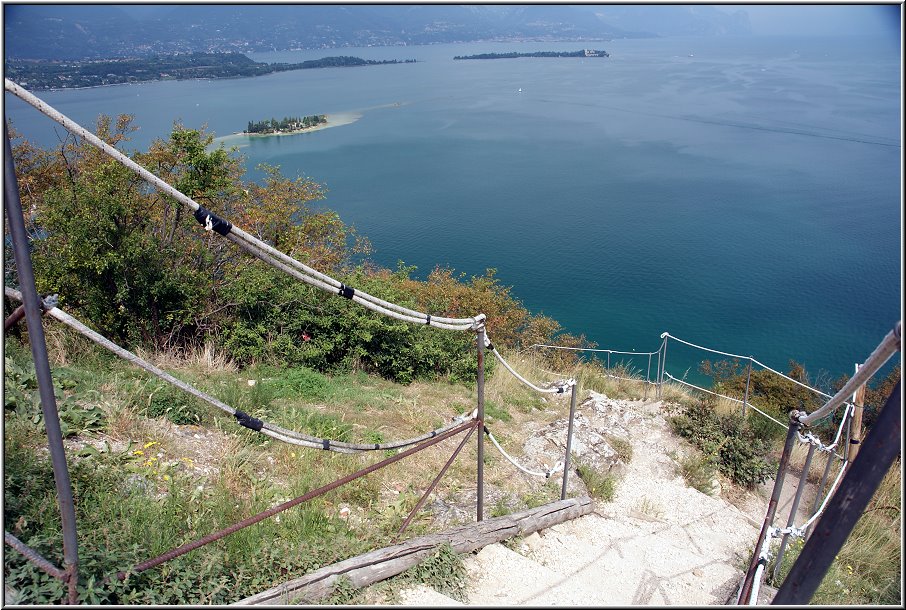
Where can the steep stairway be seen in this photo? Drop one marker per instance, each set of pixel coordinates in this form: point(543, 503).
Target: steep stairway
point(658, 542)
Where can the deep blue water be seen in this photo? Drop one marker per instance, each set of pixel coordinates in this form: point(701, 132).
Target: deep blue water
point(743, 194)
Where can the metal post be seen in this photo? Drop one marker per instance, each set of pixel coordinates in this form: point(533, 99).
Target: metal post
point(647, 377)
point(32, 304)
point(820, 490)
point(745, 397)
point(608, 361)
point(569, 440)
point(480, 386)
point(882, 445)
point(657, 373)
point(795, 425)
point(663, 367)
point(854, 437)
point(803, 480)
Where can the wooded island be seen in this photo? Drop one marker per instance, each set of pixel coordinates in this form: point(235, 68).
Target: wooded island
point(286, 125)
point(582, 53)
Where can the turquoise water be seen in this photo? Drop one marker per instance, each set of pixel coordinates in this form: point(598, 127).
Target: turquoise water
point(746, 197)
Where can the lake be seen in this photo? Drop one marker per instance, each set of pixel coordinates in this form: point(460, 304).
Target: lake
point(743, 194)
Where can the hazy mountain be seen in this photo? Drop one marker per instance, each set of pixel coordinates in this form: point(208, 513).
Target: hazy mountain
point(675, 20)
point(95, 31)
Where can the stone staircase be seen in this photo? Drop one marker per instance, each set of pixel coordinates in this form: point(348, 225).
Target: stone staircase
point(659, 542)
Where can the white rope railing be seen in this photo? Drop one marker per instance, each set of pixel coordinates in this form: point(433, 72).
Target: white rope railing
point(557, 467)
point(558, 387)
point(887, 348)
point(753, 360)
point(272, 430)
point(256, 247)
point(748, 404)
point(590, 349)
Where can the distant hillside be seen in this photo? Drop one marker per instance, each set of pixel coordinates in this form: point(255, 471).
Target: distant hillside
point(69, 32)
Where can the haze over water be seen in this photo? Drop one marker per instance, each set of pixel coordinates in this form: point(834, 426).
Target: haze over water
point(743, 194)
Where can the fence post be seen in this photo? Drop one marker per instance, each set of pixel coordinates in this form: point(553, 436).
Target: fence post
point(803, 481)
point(648, 377)
point(745, 398)
point(827, 466)
point(856, 422)
point(663, 367)
point(480, 389)
point(36, 340)
point(569, 439)
point(846, 506)
point(746, 589)
point(657, 374)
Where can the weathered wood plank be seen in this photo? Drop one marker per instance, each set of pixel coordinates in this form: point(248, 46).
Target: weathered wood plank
point(383, 563)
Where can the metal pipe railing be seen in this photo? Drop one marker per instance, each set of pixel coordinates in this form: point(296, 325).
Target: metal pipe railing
point(880, 448)
point(36, 340)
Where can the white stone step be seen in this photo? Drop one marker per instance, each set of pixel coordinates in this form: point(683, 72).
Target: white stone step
point(501, 577)
point(629, 565)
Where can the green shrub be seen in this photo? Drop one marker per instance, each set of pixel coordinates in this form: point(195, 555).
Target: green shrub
point(176, 405)
point(443, 571)
point(600, 485)
point(732, 444)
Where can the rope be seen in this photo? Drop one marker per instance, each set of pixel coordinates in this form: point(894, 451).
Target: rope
point(811, 439)
point(756, 409)
point(889, 345)
point(707, 349)
point(589, 349)
point(268, 429)
point(557, 467)
point(554, 389)
point(224, 228)
point(754, 361)
point(356, 295)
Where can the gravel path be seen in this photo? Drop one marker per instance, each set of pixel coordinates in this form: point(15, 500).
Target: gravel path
point(659, 542)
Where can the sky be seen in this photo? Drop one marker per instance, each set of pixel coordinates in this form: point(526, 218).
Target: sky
point(822, 19)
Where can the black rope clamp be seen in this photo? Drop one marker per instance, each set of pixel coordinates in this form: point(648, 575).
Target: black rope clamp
point(490, 346)
point(428, 319)
point(854, 441)
point(346, 291)
point(325, 444)
point(248, 421)
point(560, 389)
point(212, 222)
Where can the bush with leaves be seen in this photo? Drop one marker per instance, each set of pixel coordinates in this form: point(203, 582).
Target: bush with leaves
point(726, 440)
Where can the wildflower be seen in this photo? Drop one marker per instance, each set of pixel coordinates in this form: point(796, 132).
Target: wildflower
point(166, 477)
point(150, 444)
point(252, 382)
point(138, 452)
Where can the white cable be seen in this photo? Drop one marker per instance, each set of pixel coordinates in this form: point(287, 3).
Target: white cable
point(589, 349)
point(552, 390)
point(748, 404)
point(827, 498)
point(889, 345)
point(557, 467)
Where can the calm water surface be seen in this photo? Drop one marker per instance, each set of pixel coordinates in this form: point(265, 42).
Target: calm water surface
point(741, 194)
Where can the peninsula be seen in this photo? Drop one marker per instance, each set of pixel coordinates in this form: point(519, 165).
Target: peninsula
point(582, 53)
point(42, 75)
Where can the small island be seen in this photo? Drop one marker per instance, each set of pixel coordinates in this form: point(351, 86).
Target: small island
point(582, 53)
point(286, 125)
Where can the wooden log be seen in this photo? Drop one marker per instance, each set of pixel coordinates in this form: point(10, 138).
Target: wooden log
point(383, 563)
